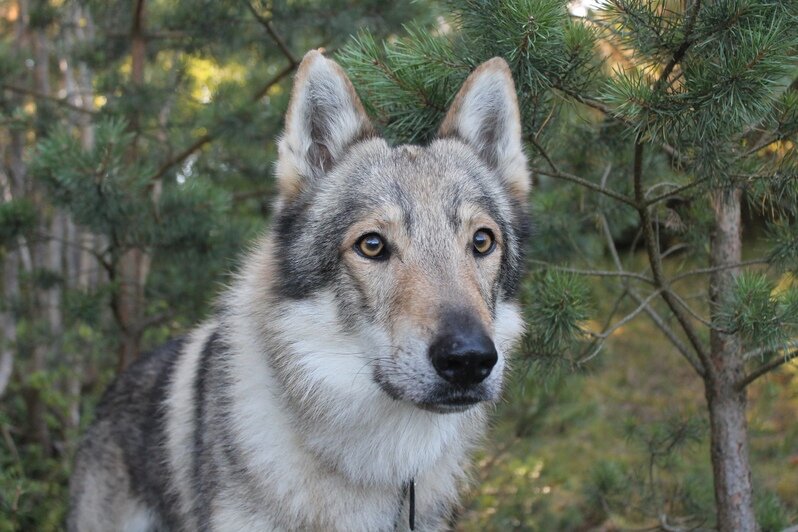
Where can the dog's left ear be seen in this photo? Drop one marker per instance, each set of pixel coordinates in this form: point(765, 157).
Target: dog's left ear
point(324, 117)
point(485, 116)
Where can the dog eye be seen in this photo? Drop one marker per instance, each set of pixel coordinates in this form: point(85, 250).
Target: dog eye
point(371, 246)
point(483, 242)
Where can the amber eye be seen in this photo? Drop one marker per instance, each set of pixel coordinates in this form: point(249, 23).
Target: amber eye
point(371, 246)
point(483, 242)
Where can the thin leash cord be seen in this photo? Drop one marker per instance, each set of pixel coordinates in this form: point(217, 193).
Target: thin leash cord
point(408, 491)
point(412, 497)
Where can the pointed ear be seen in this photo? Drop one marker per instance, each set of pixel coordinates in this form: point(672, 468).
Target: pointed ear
point(485, 116)
point(324, 117)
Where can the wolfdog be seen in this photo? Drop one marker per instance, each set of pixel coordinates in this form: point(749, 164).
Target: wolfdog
point(345, 376)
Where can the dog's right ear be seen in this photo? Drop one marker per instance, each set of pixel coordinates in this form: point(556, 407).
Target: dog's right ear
point(485, 115)
point(324, 117)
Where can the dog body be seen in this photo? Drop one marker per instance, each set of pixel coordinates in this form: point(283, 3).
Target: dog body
point(356, 352)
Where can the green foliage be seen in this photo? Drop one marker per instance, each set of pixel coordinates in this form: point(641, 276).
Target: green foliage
point(191, 215)
point(32, 499)
point(33, 484)
point(771, 515)
point(101, 187)
point(734, 69)
point(9, 66)
point(16, 217)
point(607, 487)
point(733, 59)
point(413, 83)
point(560, 228)
point(647, 28)
point(529, 33)
point(410, 82)
point(646, 489)
point(84, 306)
point(661, 440)
point(761, 315)
point(556, 304)
point(785, 246)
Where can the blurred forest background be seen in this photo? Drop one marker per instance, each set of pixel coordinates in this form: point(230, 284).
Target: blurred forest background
point(655, 389)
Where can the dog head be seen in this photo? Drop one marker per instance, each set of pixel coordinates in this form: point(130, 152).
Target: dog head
point(417, 250)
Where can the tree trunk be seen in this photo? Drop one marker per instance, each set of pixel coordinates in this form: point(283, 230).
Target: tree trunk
point(129, 304)
point(727, 405)
point(80, 263)
point(43, 255)
point(133, 266)
point(10, 293)
point(730, 466)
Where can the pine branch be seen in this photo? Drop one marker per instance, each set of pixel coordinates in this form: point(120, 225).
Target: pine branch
point(63, 102)
point(655, 259)
point(278, 40)
point(670, 334)
point(676, 191)
point(763, 144)
point(652, 247)
point(422, 96)
point(596, 346)
point(557, 173)
point(210, 137)
point(587, 184)
point(673, 249)
point(182, 156)
point(616, 258)
point(766, 368)
point(676, 157)
point(762, 351)
point(692, 312)
point(680, 52)
point(282, 74)
point(772, 139)
point(701, 271)
point(536, 144)
point(593, 273)
point(629, 317)
point(607, 332)
point(655, 317)
point(593, 104)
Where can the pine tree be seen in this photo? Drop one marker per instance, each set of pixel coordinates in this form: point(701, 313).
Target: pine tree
point(663, 121)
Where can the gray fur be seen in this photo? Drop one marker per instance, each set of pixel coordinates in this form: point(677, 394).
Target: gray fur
point(308, 402)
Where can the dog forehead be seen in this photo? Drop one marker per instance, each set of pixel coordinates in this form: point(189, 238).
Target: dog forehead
point(442, 173)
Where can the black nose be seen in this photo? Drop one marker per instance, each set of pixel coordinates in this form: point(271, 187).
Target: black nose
point(464, 358)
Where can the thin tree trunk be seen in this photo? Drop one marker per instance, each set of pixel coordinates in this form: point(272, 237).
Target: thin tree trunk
point(10, 293)
point(133, 266)
point(11, 186)
point(79, 260)
point(44, 255)
point(727, 405)
point(8, 322)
